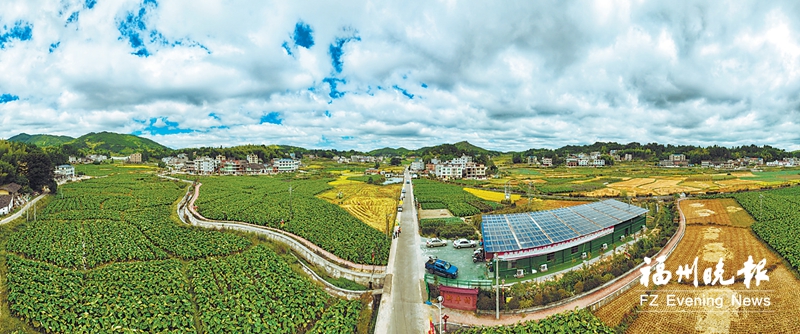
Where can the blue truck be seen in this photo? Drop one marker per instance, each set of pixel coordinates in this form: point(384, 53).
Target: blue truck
point(441, 268)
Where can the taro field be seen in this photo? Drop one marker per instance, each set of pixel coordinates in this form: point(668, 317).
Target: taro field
point(267, 201)
point(105, 255)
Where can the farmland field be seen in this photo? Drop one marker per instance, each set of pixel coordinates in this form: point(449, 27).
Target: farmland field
point(437, 195)
point(717, 211)
point(777, 215)
point(579, 321)
point(105, 255)
point(494, 196)
point(369, 203)
point(774, 176)
point(266, 201)
point(711, 235)
point(709, 243)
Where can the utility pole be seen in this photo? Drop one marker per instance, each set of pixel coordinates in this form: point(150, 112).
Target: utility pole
point(388, 232)
point(497, 288)
point(291, 212)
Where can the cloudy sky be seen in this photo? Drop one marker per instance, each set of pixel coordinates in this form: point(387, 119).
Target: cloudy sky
point(365, 75)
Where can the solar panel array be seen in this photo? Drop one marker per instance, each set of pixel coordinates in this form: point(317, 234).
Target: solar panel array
point(519, 231)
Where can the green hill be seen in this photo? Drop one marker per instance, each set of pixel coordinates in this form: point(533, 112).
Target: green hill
point(388, 151)
point(118, 144)
point(454, 150)
point(41, 140)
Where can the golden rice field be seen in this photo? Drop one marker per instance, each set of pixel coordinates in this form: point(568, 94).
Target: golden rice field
point(369, 203)
point(489, 195)
point(717, 310)
point(717, 211)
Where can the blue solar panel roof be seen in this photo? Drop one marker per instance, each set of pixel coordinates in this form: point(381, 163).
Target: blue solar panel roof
point(519, 231)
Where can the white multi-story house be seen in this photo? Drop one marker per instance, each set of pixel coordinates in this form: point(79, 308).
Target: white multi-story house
point(252, 158)
point(448, 171)
point(598, 162)
point(286, 165)
point(463, 160)
point(205, 165)
point(65, 171)
point(547, 162)
point(417, 165)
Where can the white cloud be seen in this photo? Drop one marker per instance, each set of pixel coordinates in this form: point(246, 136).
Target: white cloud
point(506, 77)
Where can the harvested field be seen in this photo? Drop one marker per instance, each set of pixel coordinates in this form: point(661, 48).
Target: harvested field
point(489, 195)
point(731, 183)
point(698, 184)
point(606, 192)
point(632, 183)
point(713, 308)
point(666, 187)
point(738, 215)
point(369, 203)
point(440, 213)
point(705, 211)
point(612, 313)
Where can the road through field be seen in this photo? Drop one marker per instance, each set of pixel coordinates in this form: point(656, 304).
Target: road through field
point(20, 212)
point(402, 311)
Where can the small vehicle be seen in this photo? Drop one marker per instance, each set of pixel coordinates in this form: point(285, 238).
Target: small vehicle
point(435, 242)
point(441, 268)
point(408, 181)
point(461, 243)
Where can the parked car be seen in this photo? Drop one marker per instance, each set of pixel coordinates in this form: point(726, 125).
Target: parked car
point(441, 268)
point(460, 243)
point(435, 242)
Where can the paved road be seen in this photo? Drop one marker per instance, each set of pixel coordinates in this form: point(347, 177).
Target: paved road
point(20, 212)
point(404, 308)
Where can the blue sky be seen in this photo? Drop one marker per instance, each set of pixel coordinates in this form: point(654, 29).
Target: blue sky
point(366, 75)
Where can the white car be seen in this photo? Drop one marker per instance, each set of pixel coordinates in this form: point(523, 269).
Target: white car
point(464, 243)
point(435, 242)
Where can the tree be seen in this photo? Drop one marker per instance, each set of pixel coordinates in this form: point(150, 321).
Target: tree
point(38, 168)
point(377, 164)
point(395, 161)
point(8, 173)
point(370, 180)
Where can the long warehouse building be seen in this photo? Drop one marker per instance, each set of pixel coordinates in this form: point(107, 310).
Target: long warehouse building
point(542, 240)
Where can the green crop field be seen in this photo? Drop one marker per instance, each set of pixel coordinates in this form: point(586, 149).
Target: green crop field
point(774, 176)
point(437, 195)
point(266, 201)
point(105, 255)
point(777, 220)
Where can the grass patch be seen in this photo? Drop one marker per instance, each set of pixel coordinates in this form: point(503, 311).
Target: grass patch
point(447, 228)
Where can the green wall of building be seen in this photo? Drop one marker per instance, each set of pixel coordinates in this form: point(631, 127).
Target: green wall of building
point(592, 247)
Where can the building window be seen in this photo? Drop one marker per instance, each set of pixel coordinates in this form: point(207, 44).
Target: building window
point(512, 264)
point(574, 249)
point(551, 257)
